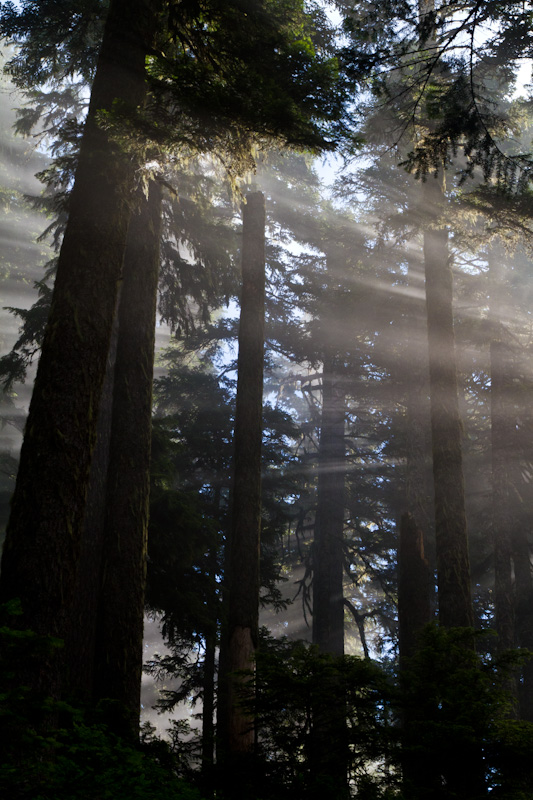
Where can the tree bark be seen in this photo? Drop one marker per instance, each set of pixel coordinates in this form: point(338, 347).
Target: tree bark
point(208, 705)
point(414, 612)
point(414, 586)
point(503, 419)
point(329, 736)
point(523, 616)
point(81, 637)
point(502, 524)
point(118, 651)
point(243, 576)
point(328, 555)
point(419, 501)
point(521, 444)
point(464, 774)
point(453, 567)
point(43, 539)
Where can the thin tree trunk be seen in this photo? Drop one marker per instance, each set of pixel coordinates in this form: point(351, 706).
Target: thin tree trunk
point(328, 554)
point(520, 458)
point(329, 737)
point(464, 774)
point(414, 612)
point(521, 548)
point(523, 615)
point(243, 584)
point(502, 522)
point(118, 651)
point(502, 444)
point(453, 567)
point(43, 539)
point(208, 727)
point(419, 501)
point(414, 586)
point(208, 706)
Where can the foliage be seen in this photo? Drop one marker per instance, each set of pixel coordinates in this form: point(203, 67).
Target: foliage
point(225, 81)
point(19, 261)
point(448, 714)
point(456, 704)
point(50, 750)
point(15, 364)
point(84, 761)
point(254, 65)
point(510, 752)
point(443, 75)
point(295, 684)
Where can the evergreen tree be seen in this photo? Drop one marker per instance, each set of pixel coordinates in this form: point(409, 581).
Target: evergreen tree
point(453, 566)
point(41, 551)
point(119, 631)
point(242, 579)
point(501, 438)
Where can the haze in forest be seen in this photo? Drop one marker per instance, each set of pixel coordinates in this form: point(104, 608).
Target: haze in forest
point(277, 281)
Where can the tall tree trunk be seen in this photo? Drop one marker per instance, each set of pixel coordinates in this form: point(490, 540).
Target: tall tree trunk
point(415, 590)
point(502, 435)
point(419, 502)
point(81, 637)
point(329, 737)
point(464, 774)
point(502, 523)
point(522, 444)
point(415, 577)
point(211, 640)
point(453, 567)
point(118, 651)
point(523, 616)
point(42, 547)
point(243, 578)
point(328, 553)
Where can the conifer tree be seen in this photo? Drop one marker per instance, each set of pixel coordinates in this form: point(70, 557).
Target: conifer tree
point(414, 610)
point(329, 724)
point(41, 552)
point(119, 631)
point(453, 566)
point(328, 548)
point(501, 441)
point(242, 580)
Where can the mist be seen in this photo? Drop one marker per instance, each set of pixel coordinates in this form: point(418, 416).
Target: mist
point(335, 584)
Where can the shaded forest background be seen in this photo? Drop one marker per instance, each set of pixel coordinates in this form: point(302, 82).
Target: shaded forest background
point(322, 215)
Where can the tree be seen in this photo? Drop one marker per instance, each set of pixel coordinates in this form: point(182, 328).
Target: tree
point(414, 615)
point(242, 579)
point(453, 567)
point(501, 440)
point(414, 610)
point(118, 646)
point(328, 548)
point(329, 739)
point(41, 551)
